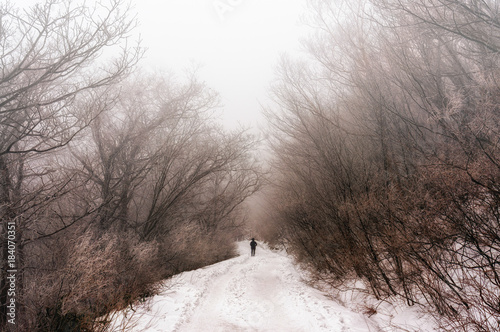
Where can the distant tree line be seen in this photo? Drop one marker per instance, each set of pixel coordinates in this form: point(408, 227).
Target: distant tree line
point(387, 154)
point(110, 180)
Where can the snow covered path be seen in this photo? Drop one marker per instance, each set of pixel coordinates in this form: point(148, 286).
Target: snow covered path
point(261, 293)
point(264, 293)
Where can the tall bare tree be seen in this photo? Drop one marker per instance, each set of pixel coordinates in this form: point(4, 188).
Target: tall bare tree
point(386, 152)
point(52, 64)
point(153, 187)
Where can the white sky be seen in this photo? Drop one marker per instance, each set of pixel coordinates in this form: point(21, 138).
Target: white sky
point(237, 43)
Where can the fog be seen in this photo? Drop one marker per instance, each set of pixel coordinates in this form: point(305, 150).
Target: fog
point(382, 154)
point(235, 44)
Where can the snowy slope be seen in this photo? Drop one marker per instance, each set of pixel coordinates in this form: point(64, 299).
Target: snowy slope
point(261, 293)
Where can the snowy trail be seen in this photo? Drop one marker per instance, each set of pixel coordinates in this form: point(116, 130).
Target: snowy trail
point(261, 293)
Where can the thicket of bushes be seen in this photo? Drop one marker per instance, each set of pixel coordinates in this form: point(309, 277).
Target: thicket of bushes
point(387, 150)
point(113, 181)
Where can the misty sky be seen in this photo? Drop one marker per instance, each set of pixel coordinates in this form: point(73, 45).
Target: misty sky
point(237, 43)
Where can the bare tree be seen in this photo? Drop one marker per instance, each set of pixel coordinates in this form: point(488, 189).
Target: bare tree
point(51, 65)
point(386, 147)
point(156, 187)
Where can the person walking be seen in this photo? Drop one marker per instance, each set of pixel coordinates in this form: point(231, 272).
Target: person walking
point(253, 245)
